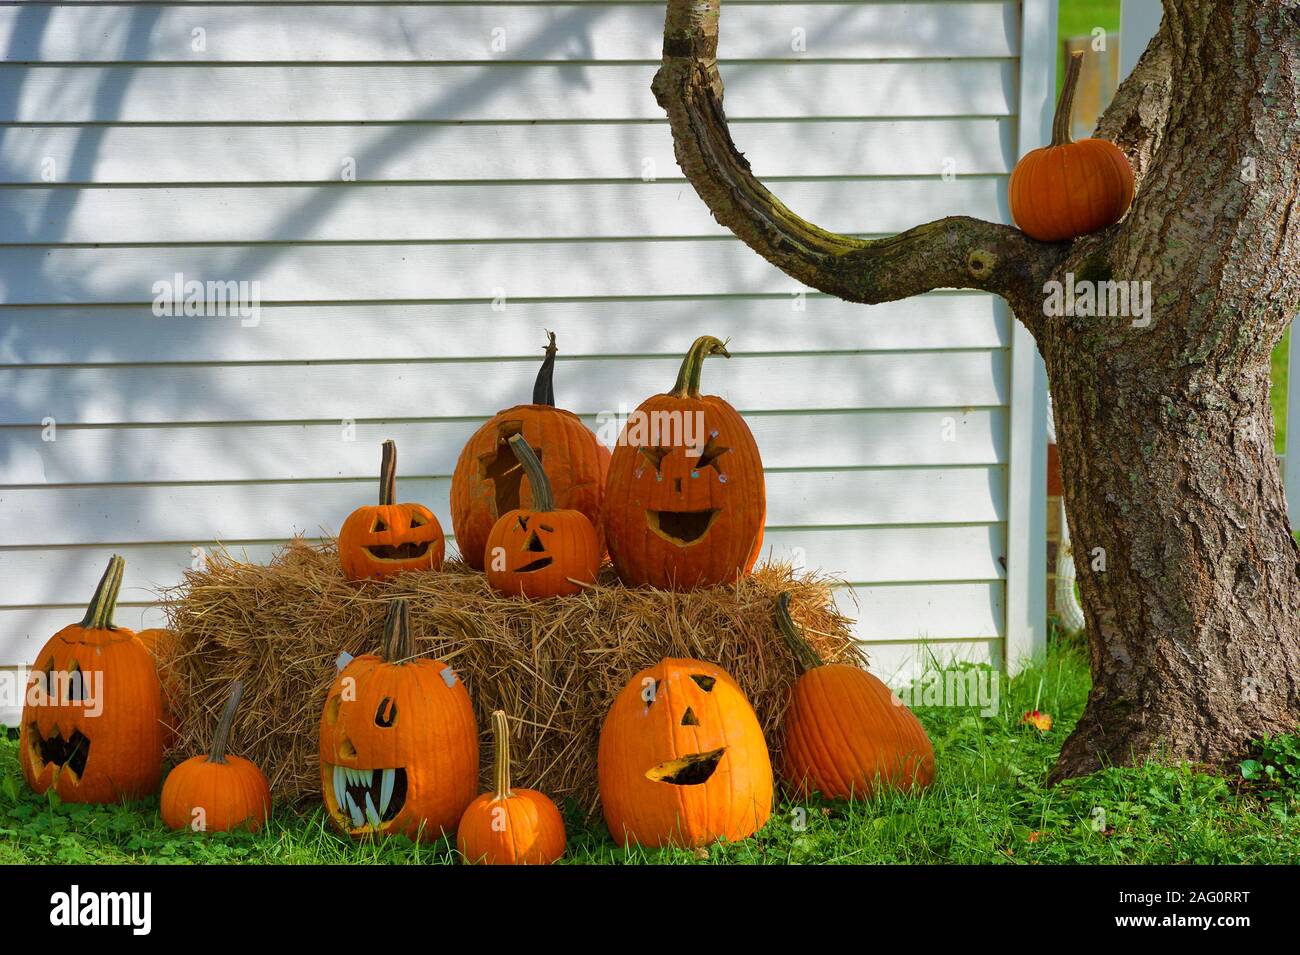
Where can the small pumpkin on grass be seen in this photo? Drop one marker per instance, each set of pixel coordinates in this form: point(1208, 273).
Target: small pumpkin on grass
point(379, 541)
point(510, 826)
point(540, 551)
point(217, 792)
point(1067, 188)
point(845, 732)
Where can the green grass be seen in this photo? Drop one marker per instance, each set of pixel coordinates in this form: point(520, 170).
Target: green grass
point(989, 799)
point(1279, 392)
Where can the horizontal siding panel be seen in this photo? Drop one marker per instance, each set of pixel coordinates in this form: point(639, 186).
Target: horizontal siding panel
point(515, 92)
point(469, 32)
point(319, 451)
point(134, 394)
point(347, 212)
point(99, 334)
point(431, 151)
point(925, 611)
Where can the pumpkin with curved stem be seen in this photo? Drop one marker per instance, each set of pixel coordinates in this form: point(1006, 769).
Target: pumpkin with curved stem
point(846, 734)
point(92, 722)
point(540, 551)
point(1068, 189)
point(510, 826)
point(398, 742)
point(217, 792)
point(685, 500)
point(682, 759)
point(380, 541)
point(487, 481)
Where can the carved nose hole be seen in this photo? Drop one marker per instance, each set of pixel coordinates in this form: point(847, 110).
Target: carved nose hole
point(677, 485)
point(689, 718)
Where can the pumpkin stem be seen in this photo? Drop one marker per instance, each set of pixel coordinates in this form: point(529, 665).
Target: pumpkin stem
point(688, 376)
point(543, 498)
point(397, 634)
point(388, 474)
point(501, 757)
point(804, 654)
point(544, 386)
point(1061, 122)
point(222, 736)
point(99, 615)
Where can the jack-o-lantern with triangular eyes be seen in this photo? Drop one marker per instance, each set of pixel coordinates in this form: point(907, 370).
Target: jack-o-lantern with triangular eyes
point(398, 742)
point(685, 500)
point(682, 759)
point(387, 539)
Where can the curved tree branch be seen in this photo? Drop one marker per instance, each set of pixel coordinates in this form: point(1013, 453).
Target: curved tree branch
point(956, 252)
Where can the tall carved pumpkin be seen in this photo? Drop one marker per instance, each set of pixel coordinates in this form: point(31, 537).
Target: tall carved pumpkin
point(380, 541)
point(682, 759)
point(488, 480)
point(685, 499)
point(1068, 188)
point(92, 723)
point(398, 742)
point(845, 733)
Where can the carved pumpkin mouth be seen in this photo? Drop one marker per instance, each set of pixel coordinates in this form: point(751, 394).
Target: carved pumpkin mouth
point(366, 799)
point(409, 550)
point(681, 527)
point(65, 754)
point(694, 770)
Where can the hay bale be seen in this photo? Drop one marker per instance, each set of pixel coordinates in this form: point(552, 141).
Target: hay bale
point(554, 665)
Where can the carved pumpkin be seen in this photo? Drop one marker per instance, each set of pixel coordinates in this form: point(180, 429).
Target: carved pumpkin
point(488, 481)
point(92, 721)
point(510, 826)
point(160, 642)
point(685, 500)
point(540, 551)
point(845, 733)
point(217, 792)
point(1068, 188)
point(398, 742)
point(682, 758)
point(378, 542)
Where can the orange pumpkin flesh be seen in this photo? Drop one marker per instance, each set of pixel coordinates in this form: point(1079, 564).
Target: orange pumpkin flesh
point(679, 517)
point(682, 759)
point(398, 742)
point(1068, 188)
point(488, 479)
point(846, 734)
point(510, 826)
point(388, 539)
point(217, 793)
point(92, 721)
point(540, 552)
point(159, 642)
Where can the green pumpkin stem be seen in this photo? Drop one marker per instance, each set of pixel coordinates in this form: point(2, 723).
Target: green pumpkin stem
point(543, 498)
point(99, 615)
point(1062, 121)
point(388, 474)
point(688, 376)
point(501, 755)
point(397, 645)
point(544, 386)
point(222, 736)
point(804, 654)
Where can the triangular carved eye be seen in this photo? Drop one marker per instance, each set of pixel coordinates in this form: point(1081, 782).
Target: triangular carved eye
point(654, 455)
point(704, 681)
point(380, 525)
point(709, 456)
point(417, 520)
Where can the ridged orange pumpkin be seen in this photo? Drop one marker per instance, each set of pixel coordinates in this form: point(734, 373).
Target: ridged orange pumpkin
point(488, 480)
point(398, 742)
point(217, 792)
point(685, 500)
point(845, 732)
point(682, 760)
point(388, 539)
point(160, 642)
point(540, 551)
point(92, 719)
point(1068, 188)
point(510, 826)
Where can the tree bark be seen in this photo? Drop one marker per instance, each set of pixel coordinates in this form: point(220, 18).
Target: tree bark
point(1189, 574)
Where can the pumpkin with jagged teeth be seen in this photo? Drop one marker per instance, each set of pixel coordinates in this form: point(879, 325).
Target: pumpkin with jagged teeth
point(379, 541)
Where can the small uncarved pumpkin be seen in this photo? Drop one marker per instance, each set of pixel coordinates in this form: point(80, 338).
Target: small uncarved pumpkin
point(380, 541)
point(1068, 188)
point(510, 826)
point(540, 551)
point(217, 792)
point(846, 734)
